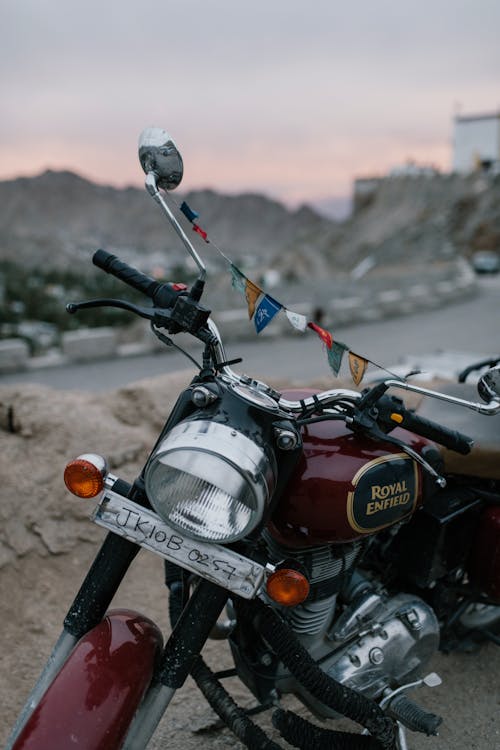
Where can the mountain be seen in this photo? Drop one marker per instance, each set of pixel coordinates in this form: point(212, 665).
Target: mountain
point(60, 218)
point(337, 209)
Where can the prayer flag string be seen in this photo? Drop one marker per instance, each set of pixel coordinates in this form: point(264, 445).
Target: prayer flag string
point(262, 309)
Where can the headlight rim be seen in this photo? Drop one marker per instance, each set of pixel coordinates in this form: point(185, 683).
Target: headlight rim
point(236, 452)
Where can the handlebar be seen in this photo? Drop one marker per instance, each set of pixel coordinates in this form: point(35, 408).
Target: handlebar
point(189, 316)
point(174, 309)
point(162, 294)
point(451, 439)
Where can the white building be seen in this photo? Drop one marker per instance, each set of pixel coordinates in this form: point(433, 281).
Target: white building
point(476, 142)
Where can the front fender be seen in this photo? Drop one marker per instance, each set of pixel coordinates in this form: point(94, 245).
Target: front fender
point(92, 700)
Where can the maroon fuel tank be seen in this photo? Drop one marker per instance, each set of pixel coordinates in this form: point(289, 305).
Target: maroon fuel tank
point(346, 486)
point(92, 700)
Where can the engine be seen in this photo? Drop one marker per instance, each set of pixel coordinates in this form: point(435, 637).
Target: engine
point(328, 568)
point(365, 639)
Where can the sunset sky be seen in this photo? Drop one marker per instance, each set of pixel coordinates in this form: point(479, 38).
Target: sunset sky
point(293, 99)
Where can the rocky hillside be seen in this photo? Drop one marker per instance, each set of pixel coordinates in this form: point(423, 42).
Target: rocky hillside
point(420, 219)
point(59, 218)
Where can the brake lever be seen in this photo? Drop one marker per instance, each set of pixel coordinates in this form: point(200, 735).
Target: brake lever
point(160, 317)
point(364, 422)
point(143, 312)
point(186, 316)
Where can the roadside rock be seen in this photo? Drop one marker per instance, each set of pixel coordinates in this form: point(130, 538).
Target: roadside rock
point(41, 429)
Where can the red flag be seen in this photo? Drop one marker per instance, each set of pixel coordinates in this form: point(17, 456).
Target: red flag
point(200, 231)
point(325, 336)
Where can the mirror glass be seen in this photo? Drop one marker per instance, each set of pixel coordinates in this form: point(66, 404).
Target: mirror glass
point(158, 153)
point(489, 385)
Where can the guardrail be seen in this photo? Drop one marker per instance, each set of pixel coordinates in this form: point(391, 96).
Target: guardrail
point(371, 303)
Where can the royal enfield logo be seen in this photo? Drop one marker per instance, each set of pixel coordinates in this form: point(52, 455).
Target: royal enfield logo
point(387, 496)
point(385, 492)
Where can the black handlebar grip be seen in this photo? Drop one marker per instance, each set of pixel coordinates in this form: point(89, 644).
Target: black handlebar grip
point(161, 294)
point(131, 276)
point(451, 439)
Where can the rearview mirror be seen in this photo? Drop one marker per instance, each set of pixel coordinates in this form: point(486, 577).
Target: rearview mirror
point(489, 385)
point(159, 154)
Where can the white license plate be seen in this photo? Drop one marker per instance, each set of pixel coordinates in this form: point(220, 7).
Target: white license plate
point(211, 561)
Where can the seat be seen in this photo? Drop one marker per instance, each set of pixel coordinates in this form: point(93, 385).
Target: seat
point(484, 459)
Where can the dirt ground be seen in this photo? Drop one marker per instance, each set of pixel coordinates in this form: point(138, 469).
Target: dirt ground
point(47, 543)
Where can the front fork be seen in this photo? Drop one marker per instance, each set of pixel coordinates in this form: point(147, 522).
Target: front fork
point(188, 637)
point(88, 609)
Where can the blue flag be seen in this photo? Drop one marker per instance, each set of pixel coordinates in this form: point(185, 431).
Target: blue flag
point(188, 212)
point(265, 312)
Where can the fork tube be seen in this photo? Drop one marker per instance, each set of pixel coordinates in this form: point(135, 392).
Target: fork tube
point(190, 633)
point(90, 604)
point(100, 585)
point(148, 716)
point(182, 649)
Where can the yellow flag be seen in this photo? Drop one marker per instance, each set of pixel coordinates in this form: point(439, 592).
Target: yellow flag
point(357, 366)
point(252, 293)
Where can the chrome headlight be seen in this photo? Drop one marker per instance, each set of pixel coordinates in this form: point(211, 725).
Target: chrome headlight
point(210, 481)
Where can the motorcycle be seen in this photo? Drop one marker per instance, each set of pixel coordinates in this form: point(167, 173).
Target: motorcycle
point(334, 529)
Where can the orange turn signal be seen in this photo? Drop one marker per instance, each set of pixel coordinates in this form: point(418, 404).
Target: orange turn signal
point(84, 477)
point(287, 587)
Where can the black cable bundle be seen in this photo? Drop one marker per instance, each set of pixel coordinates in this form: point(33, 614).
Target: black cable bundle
point(250, 734)
point(294, 729)
point(301, 733)
point(302, 666)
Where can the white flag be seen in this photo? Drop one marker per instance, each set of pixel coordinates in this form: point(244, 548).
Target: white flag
point(298, 321)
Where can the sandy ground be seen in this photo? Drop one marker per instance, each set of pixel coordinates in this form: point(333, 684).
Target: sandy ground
point(46, 545)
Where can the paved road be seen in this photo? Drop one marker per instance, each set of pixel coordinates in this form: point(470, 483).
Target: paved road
point(471, 326)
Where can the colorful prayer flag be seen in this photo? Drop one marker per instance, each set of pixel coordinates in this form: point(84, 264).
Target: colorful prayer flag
point(335, 354)
point(238, 279)
point(335, 349)
point(357, 366)
point(188, 212)
point(265, 312)
point(252, 293)
point(200, 231)
point(269, 307)
point(325, 336)
point(298, 321)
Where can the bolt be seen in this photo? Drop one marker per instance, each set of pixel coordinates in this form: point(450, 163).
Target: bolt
point(376, 656)
point(286, 440)
point(413, 619)
point(202, 396)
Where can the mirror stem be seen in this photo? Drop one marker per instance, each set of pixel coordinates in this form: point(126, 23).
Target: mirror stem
point(492, 408)
point(152, 188)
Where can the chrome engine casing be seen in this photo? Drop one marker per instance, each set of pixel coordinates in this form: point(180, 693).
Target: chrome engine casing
point(377, 641)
